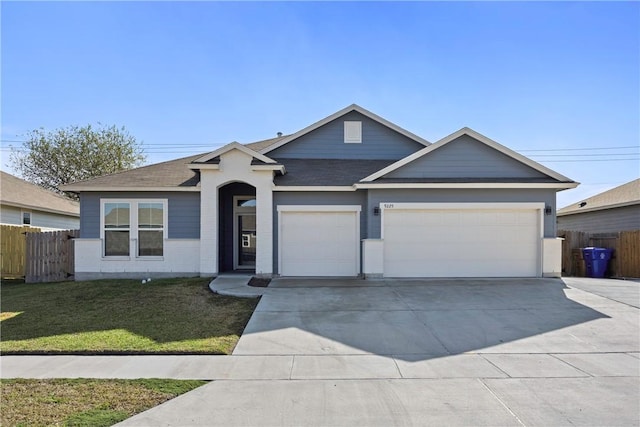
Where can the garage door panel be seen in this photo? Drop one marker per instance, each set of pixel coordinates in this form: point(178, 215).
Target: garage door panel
point(461, 243)
point(319, 243)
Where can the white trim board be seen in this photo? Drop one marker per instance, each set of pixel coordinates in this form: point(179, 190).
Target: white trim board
point(319, 208)
point(560, 185)
point(478, 137)
point(234, 146)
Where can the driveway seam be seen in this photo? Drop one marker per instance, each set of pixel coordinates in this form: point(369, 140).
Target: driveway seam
point(494, 365)
point(504, 404)
point(414, 312)
point(567, 363)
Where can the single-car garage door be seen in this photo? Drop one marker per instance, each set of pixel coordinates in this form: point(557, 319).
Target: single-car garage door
point(319, 240)
point(468, 242)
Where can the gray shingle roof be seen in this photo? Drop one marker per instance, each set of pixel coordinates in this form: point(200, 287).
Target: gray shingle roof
point(316, 172)
point(20, 193)
point(624, 195)
point(261, 145)
point(173, 173)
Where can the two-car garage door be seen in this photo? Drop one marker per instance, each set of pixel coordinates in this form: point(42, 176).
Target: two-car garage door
point(468, 242)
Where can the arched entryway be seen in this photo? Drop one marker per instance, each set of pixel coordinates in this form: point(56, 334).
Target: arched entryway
point(237, 230)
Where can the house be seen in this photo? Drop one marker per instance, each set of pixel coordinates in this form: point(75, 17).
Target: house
point(612, 211)
point(350, 195)
point(26, 204)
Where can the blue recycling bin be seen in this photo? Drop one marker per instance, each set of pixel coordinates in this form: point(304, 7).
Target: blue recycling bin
point(596, 261)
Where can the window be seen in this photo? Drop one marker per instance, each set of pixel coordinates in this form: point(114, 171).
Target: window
point(352, 132)
point(26, 218)
point(150, 229)
point(117, 229)
point(142, 222)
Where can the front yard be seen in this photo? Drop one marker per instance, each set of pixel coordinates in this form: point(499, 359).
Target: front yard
point(120, 316)
point(83, 402)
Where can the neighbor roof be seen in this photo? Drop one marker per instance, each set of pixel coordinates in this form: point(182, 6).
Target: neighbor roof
point(625, 195)
point(19, 193)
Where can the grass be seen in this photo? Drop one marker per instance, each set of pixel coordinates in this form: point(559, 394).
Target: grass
point(83, 402)
point(172, 316)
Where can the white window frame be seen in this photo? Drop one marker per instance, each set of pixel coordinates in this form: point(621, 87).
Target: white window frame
point(352, 132)
point(22, 213)
point(133, 227)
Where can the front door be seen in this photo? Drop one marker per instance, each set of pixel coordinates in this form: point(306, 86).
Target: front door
point(244, 242)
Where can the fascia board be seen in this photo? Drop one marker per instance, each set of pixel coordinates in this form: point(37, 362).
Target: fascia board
point(352, 107)
point(234, 146)
point(195, 166)
point(312, 188)
point(93, 189)
point(373, 185)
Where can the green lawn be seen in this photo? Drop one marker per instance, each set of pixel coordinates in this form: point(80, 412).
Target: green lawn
point(120, 316)
point(82, 402)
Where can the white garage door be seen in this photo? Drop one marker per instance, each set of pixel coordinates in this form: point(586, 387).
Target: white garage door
point(461, 242)
point(322, 242)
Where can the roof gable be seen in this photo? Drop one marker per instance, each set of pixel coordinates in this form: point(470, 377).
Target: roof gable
point(234, 146)
point(352, 112)
point(466, 154)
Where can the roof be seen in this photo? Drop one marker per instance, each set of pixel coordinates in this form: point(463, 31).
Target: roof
point(183, 174)
point(353, 107)
point(261, 145)
point(165, 175)
point(22, 194)
point(478, 137)
point(625, 195)
point(327, 172)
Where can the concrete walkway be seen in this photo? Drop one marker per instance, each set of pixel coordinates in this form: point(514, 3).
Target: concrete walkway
point(236, 285)
point(474, 352)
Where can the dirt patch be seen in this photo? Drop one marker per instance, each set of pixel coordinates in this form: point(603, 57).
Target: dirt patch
point(258, 282)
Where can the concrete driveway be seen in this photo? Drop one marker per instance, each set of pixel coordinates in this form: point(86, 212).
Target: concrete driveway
point(430, 352)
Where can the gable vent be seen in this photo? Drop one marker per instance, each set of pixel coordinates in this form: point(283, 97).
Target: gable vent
point(352, 132)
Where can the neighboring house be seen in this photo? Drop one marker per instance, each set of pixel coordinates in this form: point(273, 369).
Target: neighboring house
point(614, 210)
point(26, 204)
point(350, 195)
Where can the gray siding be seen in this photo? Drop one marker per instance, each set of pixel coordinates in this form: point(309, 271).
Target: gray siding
point(10, 215)
point(317, 198)
point(51, 220)
point(604, 221)
point(327, 142)
point(184, 212)
point(13, 215)
point(548, 197)
point(465, 158)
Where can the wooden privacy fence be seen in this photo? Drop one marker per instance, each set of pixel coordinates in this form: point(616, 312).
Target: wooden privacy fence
point(50, 256)
point(626, 252)
point(13, 244)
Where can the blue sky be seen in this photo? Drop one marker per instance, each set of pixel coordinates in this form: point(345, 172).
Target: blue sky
point(562, 79)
